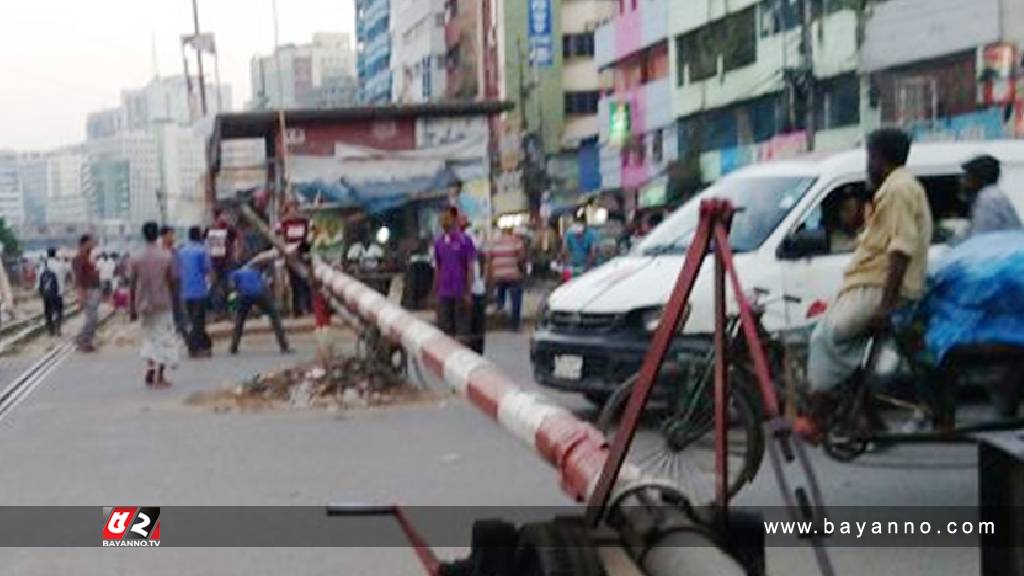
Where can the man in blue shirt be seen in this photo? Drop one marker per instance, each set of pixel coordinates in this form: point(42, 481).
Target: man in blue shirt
point(252, 291)
point(580, 249)
point(991, 209)
point(195, 269)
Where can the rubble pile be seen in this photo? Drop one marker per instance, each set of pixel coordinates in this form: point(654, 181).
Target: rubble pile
point(344, 385)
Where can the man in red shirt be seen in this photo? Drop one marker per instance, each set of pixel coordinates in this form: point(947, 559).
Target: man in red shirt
point(87, 284)
point(322, 318)
point(506, 261)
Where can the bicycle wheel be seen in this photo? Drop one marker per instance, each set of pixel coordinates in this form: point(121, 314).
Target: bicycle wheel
point(676, 441)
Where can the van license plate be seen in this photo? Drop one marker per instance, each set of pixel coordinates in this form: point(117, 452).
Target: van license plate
point(569, 367)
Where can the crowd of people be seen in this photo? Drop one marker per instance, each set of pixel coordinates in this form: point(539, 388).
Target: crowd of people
point(171, 289)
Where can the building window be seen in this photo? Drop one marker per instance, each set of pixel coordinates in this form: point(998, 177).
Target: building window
point(639, 149)
point(582, 103)
point(733, 38)
point(839, 104)
point(738, 34)
point(657, 146)
point(694, 55)
point(578, 45)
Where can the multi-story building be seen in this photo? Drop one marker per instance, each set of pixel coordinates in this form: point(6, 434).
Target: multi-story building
point(742, 72)
point(167, 99)
point(12, 208)
point(130, 144)
point(418, 68)
point(33, 177)
point(373, 34)
point(182, 153)
point(944, 69)
point(464, 62)
point(545, 58)
point(314, 75)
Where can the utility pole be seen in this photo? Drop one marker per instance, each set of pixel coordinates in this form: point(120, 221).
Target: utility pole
point(199, 57)
point(531, 175)
point(809, 79)
point(277, 199)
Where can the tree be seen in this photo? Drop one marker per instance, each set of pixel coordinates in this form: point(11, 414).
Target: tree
point(9, 241)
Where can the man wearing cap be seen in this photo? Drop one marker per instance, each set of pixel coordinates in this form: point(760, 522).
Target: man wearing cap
point(991, 210)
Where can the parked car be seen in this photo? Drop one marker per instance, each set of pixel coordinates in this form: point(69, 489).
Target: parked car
point(594, 330)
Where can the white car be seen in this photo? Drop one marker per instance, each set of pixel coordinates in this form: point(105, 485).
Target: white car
point(595, 330)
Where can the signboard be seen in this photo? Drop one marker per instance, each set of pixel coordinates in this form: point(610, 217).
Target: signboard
point(542, 45)
point(654, 194)
point(619, 123)
point(998, 74)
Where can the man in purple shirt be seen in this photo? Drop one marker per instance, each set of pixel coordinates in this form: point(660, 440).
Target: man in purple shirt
point(453, 258)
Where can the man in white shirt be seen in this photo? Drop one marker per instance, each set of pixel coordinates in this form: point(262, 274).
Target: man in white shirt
point(106, 266)
point(364, 255)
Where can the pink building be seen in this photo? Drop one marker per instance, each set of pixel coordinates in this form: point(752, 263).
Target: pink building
point(638, 134)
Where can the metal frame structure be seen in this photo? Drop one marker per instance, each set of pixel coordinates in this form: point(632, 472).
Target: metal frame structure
point(804, 501)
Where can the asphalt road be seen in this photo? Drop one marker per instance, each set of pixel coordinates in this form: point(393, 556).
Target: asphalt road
point(91, 435)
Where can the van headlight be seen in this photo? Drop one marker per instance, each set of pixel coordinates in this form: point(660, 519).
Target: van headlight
point(544, 314)
point(651, 318)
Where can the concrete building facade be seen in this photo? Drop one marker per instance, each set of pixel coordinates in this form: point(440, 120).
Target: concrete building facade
point(315, 75)
point(33, 178)
point(12, 206)
point(67, 181)
point(418, 65)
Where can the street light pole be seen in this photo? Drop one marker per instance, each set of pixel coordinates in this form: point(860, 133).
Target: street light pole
point(199, 57)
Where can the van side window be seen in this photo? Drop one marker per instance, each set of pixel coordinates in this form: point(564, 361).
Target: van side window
point(950, 213)
point(839, 218)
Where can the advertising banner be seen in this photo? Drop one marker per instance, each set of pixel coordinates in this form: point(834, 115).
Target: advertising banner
point(539, 27)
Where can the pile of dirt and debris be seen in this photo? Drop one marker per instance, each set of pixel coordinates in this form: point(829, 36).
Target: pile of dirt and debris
point(345, 385)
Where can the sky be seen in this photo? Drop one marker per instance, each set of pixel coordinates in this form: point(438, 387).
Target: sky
point(62, 59)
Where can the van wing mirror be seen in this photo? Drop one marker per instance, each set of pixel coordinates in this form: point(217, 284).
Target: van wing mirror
point(803, 244)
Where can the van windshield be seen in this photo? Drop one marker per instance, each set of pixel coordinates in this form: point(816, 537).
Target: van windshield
point(764, 203)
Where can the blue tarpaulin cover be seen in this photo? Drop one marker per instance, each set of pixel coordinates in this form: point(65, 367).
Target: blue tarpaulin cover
point(976, 294)
point(377, 196)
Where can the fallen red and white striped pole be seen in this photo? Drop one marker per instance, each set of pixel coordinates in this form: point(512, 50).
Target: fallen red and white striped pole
point(575, 448)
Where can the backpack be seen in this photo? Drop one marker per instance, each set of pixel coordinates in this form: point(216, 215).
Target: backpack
point(49, 287)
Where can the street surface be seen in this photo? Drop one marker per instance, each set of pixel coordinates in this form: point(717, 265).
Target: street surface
point(92, 435)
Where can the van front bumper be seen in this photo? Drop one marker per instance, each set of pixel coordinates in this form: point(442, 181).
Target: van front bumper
point(608, 359)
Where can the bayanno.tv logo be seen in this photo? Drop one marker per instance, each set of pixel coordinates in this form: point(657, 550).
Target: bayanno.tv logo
point(131, 526)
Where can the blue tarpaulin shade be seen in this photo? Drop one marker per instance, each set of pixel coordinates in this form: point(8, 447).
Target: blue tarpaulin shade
point(976, 294)
point(376, 196)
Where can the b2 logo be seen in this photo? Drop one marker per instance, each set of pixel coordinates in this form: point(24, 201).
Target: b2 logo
point(131, 526)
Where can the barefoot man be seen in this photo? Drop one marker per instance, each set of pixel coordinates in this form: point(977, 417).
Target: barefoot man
point(152, 299)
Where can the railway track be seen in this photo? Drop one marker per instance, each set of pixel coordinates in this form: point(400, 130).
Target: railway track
point(17, 333)
point(14, 334)
point(32, 377)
